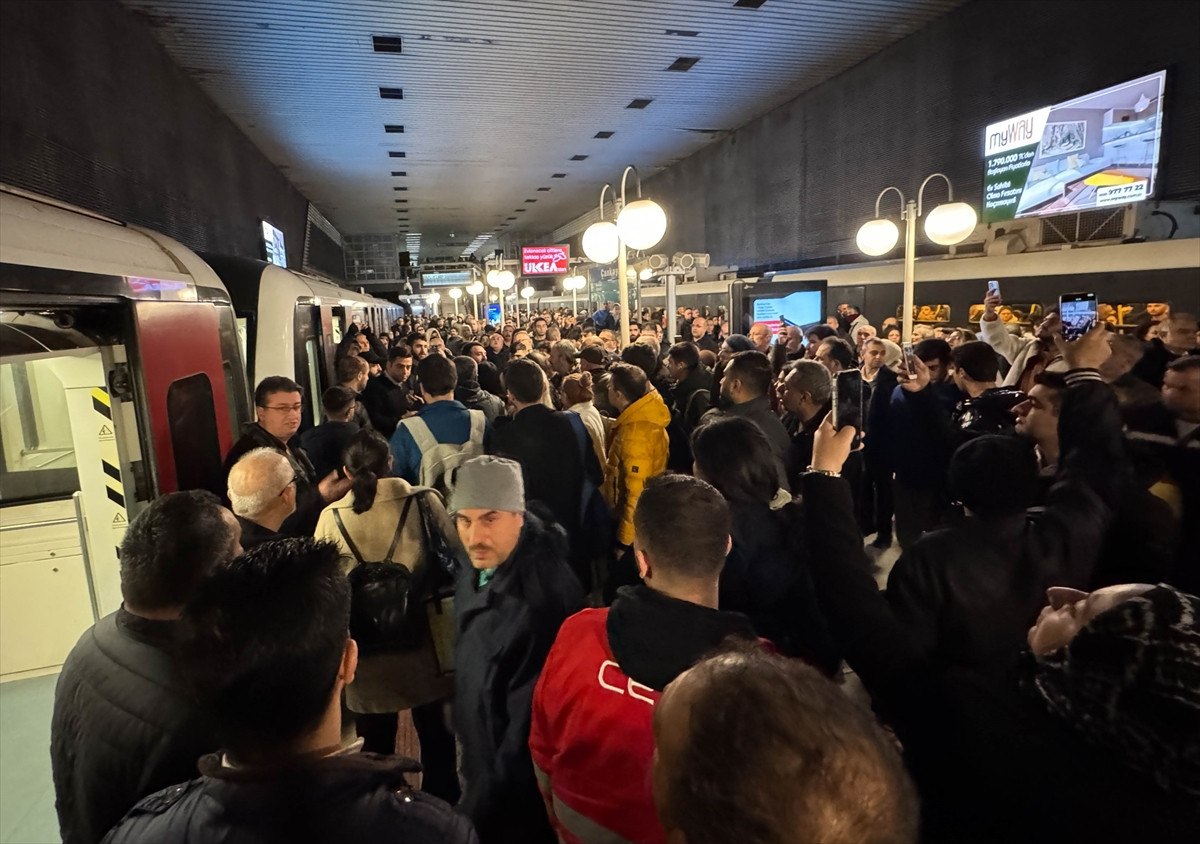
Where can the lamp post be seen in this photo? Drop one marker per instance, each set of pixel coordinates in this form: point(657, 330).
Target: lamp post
point(434, 298)
point(574, 283)
point(502, 280)
point(455, 294)
point(475, 288)
point(946, 225)
point(640, 224)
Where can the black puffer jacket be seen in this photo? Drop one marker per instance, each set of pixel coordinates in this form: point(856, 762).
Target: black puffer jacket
point(123, 727)
point(766, 578)
point(505, 631)
point(361, 798)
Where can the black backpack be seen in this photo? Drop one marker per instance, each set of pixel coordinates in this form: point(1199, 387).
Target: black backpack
point(385, 609)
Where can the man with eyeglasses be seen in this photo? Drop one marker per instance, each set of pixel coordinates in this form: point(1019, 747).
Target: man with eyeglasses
point(262, 494)
point(278, 404)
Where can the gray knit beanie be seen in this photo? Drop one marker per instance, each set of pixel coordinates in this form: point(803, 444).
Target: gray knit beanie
point(489, 483)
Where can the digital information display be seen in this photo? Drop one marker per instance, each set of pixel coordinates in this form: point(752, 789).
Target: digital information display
point(273, 246)
point(801, 308)
point(1095, 151)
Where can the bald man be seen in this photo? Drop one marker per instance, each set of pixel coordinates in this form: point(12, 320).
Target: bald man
point(760, 336)
point(262, 493)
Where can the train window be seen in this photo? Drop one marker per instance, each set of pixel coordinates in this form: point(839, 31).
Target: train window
point(194, 440)
point(37, 460)
point(313, 354)
point(337, 330)
point(236, 392)
point(241, 335)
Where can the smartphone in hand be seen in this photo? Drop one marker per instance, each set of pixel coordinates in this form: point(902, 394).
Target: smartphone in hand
point(848, 402)
point(1077, 311)
point(993, 288)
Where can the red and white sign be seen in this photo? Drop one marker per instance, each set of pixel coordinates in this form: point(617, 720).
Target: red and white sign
point(545, 260)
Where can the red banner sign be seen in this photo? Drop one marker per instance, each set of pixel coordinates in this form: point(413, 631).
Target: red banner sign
point(545, 260)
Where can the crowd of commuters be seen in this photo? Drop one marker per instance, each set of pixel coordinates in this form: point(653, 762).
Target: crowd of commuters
point(616, 594)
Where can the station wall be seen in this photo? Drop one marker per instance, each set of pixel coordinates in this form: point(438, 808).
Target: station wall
point(94, 112)
point(795, 184)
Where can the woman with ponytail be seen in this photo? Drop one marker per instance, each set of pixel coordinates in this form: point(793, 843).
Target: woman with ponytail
point(363, 525)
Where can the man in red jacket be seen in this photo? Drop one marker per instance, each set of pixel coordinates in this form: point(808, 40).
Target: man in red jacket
point(591, 736)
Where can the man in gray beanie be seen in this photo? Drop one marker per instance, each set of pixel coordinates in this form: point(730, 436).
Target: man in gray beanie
point(508, 606)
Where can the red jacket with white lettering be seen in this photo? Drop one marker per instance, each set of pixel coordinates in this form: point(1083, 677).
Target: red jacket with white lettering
point(591, 739)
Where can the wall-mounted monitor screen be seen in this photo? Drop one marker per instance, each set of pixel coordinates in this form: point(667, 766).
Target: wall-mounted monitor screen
point(776, 303)
point(273, 248)
point(1095, 151)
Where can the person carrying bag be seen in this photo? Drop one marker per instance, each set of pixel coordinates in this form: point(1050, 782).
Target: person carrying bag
point(396, 542)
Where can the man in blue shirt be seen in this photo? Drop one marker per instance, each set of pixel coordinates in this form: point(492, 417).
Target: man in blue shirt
point(449, 421)
point(603, 318)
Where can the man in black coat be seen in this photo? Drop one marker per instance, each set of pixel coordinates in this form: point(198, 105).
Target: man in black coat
point(325, 443)
point(269, 656)
point(277, 403)
point(392, 394)
point(508, 606)
point(555, 454)
point(124, 725)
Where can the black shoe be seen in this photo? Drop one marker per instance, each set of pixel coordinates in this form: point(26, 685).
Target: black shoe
point(882, 542)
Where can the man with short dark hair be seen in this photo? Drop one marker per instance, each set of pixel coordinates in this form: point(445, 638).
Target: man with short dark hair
point(744, 390)
point(595, 360)
point(354, 373)
point(693, 384)
point(124, 724)
point(470, 394)
point(508, 606)
point(443, 419)
point(269, 655)
point(987, 408)
point(835, 354)
point(724, 732)
point(536, 431)
point(391, 396)
point(278, 402)
point(325, 443)
point(591, 732)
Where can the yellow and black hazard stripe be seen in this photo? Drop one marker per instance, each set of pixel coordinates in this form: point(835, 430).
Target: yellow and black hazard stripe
point(110, 462)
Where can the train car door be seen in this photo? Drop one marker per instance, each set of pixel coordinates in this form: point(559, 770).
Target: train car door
point(185, 398)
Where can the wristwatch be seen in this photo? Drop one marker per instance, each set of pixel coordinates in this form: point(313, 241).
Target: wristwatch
point(813, 470)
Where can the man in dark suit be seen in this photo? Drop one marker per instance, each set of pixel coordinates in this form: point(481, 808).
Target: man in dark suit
point(391, 395)
point(554, 451)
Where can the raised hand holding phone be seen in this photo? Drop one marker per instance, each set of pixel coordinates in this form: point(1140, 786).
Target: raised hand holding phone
point(918, 375)
point(991, 300)
point(1088, 352)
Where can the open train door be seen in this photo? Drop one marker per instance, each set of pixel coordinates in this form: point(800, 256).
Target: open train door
point(185, 386)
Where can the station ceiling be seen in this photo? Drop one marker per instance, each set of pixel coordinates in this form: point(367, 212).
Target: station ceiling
point(462, 119)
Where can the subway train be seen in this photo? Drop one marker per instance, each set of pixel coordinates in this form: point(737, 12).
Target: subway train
point(1128, 278)
point(123, 375)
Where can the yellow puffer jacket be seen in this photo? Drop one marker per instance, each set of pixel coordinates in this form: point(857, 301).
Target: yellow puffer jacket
point(638, 452)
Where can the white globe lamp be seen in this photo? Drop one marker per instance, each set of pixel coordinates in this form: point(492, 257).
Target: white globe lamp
point(600, 242)
point(491, 277)
point(642, 224)
point(527, 292)
point(504, 280)
point(950, 223)
point(475, 288)
point(877, 237)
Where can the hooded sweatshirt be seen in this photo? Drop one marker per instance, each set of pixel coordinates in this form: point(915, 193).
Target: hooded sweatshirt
point(638, 452)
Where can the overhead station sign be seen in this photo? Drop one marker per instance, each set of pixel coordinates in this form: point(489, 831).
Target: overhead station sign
point(545, 260)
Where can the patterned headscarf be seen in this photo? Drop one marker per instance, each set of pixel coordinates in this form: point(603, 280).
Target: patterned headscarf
point(1129, 682)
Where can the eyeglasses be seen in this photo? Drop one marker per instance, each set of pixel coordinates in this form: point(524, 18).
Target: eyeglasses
point(284, 408)
point(295, 480)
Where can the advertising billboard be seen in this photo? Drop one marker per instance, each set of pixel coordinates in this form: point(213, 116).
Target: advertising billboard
point(273, 248)
point(545, 260)
point(1094, 151)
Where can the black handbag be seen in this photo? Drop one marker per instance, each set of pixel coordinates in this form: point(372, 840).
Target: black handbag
point(385, 612)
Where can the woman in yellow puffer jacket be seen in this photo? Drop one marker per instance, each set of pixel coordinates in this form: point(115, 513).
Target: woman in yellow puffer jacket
point(638, 450)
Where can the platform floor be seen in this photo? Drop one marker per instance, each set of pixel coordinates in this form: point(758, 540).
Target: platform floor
point(26, 789)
